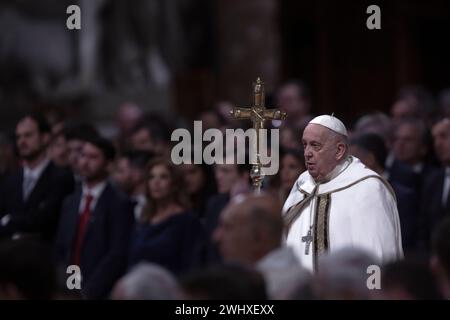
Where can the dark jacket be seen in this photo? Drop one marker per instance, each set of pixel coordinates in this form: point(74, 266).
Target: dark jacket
point(39, 214)
point(178, 243)
point(105, 246)
point(432, 209)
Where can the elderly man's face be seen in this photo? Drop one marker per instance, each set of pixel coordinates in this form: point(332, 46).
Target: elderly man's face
point(233, 235)
point(408, 146)
point(441, 137)
point(322, 151)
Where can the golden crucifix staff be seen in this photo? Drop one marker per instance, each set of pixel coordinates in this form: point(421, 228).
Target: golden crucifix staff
point(257, 114)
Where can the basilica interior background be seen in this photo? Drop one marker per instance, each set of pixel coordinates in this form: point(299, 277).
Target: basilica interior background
point(180, 56)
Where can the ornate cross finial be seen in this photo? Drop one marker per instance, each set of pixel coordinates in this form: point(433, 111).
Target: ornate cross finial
point(257, 113)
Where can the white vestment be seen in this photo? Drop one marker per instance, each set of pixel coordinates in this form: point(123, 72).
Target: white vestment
point(355, 208)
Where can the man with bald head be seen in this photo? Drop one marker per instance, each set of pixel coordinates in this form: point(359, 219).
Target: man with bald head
point(250, 233)
point(249, 227)
point(338, 202)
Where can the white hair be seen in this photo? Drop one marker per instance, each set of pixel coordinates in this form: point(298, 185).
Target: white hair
point(148, 281)
point(378, 123)
point(345, 271)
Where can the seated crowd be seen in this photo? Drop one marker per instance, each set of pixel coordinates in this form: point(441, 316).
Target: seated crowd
point(140, 227)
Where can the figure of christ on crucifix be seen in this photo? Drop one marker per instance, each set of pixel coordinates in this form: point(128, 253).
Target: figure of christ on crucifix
point(257, 114)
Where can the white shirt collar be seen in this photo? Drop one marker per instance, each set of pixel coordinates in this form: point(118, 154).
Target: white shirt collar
point(140, 198)
point(389, 160)
point(37, 171)
point(417, 168)
point(95, 191)
point(281, 256)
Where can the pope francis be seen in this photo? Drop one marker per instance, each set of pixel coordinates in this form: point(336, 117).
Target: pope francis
point(338, 202)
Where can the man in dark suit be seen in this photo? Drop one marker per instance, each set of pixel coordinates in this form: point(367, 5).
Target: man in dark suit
point(96, 223)
point(371, 150)
point(436, 191)
point(410, 148)
point(31, 198)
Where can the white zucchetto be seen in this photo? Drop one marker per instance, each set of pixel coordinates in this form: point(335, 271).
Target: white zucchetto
point(331, 123)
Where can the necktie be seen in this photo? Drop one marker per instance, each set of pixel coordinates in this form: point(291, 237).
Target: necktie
point(28, 184)
point(84, 218)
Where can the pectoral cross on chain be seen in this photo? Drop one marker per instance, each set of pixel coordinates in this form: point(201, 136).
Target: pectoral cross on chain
point(257, 114)
point(307, 239)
